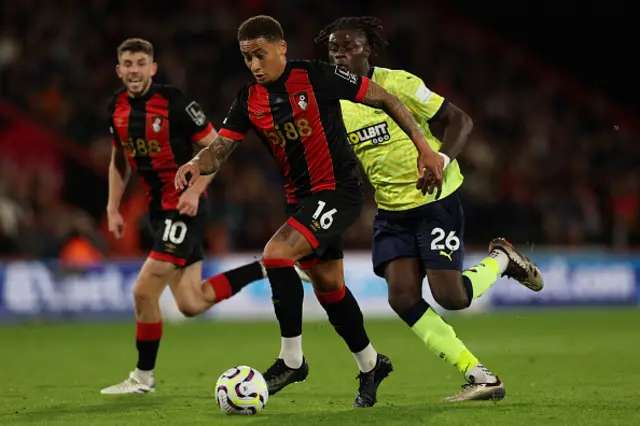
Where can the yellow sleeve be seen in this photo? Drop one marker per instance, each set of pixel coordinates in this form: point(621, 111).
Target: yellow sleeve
point(411, 90)
point(349, 115)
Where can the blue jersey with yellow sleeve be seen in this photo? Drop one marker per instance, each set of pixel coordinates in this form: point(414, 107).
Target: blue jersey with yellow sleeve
point(387, 154)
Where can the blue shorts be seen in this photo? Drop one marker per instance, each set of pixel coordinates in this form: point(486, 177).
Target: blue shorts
point(432, 233)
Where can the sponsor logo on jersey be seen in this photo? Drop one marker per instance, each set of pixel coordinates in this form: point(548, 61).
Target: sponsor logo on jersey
point(376, 134)
point(347, 75)
point(196, 113)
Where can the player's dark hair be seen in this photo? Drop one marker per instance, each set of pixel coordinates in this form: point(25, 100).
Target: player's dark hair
point(135, 45)
point(260, 26)
point(370, 26)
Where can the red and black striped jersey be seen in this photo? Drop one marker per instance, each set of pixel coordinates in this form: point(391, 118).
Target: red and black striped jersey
point(157, 132)
point(298, 118)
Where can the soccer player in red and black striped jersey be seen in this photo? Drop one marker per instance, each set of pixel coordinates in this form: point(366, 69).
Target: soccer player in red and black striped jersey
point(294, 108)
point(154, 128)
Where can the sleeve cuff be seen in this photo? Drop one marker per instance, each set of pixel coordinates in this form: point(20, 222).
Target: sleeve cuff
point(439, 111)
point(226, 133)
point(202, 133)
point(362, 92)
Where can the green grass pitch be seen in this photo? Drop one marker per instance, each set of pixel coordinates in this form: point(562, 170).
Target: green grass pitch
point(569, 367)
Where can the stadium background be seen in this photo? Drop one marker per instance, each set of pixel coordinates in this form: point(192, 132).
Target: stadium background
point(552, 164)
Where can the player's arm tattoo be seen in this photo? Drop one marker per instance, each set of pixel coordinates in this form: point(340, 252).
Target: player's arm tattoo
point(378, 97)
point(457, 126)
point(214, 156)
point(210, 137)
point(288, 235)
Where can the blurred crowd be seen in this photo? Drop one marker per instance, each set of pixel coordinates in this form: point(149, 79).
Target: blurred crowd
point(539, 167)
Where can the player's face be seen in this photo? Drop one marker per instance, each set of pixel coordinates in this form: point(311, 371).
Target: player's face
point(136, 69)
point(348, 49)
point(266, 60)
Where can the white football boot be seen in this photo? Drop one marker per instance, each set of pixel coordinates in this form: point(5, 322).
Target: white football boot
point(520, 268)
point(135, 383)
point(482, 386)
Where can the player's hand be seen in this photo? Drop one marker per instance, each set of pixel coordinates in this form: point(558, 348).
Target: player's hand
point(116, 224)
point(187, 174)
point(430, 166)
point(188, 202)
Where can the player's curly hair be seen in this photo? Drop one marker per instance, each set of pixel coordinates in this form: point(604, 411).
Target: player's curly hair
point(261, 26)
point(369, 25)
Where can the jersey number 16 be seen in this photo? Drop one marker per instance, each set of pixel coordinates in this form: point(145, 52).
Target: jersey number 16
point(326, 219)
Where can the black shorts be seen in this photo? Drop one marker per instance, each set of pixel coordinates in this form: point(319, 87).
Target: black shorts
point(178, 238)
point(324, 217)
point(432, 233)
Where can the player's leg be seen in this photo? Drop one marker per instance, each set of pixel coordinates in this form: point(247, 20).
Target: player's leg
point(396, 258)
point(455, 290)
point(315, 224)
point(404, 277)
point(153, 278)
point(193, 294)
point(503, 260)
point(287, 295)
point(440, 242)
point(327, 277)
point(176, 257)
point(439, 239)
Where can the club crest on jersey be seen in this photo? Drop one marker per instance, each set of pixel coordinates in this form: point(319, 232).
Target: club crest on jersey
point(302, 100)
point(156, 123)
point(376, 134)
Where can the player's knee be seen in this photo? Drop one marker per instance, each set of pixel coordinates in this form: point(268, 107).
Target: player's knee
point(274, 250)
point(453, 303)
point(187, 308)
point(327, 284)
point(402, 296)
point(327, 276)
point(144, 296)
point(451, 300)
point(150, 284)
point(448, 290)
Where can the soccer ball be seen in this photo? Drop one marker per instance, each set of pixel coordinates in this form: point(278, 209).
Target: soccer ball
point(241, 390)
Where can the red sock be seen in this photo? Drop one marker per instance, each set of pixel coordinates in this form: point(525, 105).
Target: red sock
point(148, 337)
point(229, 283)
point(332, 297)
point(148, 331)
point(221, 286)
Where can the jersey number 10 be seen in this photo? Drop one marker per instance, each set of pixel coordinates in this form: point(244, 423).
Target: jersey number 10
point(174, 232)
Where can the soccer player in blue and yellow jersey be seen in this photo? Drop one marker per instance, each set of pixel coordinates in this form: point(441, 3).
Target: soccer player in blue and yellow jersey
point(415, 234)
